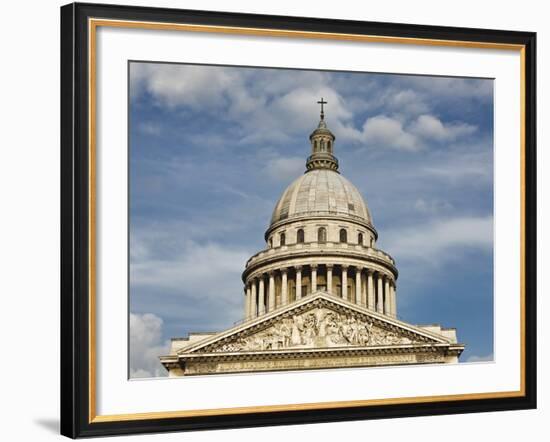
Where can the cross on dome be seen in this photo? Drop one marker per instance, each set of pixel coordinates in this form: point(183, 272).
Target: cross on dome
point(322, 102)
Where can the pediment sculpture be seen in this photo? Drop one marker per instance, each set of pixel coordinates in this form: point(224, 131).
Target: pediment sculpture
point(316, 328)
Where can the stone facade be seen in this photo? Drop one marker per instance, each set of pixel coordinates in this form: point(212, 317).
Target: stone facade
point(320, 294)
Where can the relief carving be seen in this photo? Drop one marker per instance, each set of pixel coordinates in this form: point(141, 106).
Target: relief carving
point(317, 328)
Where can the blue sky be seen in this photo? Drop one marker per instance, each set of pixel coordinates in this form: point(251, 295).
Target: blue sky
point(212, 148)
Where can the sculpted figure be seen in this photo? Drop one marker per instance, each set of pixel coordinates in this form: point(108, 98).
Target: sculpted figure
point(295, 336)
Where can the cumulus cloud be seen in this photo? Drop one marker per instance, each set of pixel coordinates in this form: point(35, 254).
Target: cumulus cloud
point(482, 358)
point(261, 103)
point(391, 132)
point(204, 87)
point(386, 131)
point(146, 346)
point(441, 240)
point(403, 101)
point(264, 105)
point(430, 127)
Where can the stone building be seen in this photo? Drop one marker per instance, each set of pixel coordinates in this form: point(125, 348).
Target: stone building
point(321, 294)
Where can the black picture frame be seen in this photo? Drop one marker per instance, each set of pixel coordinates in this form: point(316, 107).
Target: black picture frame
point(75, 221)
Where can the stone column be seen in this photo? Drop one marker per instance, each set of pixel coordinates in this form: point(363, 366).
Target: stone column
point(329, 278)
point(345, 282)
point(358, 285)
point(393, 300)
point(298, 283)
point(313, 278)
point(261, 296)
point(284, 287)
point(380, 293)
point(387, 298)
point(271, 291)
point(248, 306)
point(370, 290)
point(363, 289)
point(253, 305)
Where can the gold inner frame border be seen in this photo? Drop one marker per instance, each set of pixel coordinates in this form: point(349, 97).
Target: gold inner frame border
point(93, 24)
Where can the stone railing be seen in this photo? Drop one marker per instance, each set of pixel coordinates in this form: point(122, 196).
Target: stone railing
point(311, 247)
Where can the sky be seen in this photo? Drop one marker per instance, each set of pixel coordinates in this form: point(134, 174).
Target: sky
point(212, 148)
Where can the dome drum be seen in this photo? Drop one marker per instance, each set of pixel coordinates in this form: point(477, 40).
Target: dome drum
point(359, 233)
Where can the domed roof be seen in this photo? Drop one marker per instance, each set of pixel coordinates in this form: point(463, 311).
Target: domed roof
point(321, 192)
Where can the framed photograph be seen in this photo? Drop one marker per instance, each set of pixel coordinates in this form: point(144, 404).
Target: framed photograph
point(276, 220)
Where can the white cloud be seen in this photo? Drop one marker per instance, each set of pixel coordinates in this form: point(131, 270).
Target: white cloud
point(267, 106)
point(430, 127)
point(386, 131)
point(483, 358)
point(285, 169)
point(392, 132)
point(204, 87)
point(405, 101)
point(440, 240)
point(146, 346)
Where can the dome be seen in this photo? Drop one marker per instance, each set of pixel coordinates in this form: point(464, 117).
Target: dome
point(321, 192)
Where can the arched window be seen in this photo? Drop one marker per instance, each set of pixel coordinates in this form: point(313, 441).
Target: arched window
point(322, 234)
point(322, 145)
point(270, 243)
point(282, 239)
point(360, 239)
point(343, 235)
point(329, 145)
point(300, 236)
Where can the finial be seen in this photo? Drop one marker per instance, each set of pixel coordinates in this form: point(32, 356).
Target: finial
point(322, 102)
point(322, 145)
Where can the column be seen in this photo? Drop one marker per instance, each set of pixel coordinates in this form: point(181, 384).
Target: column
point(261, 296)
point(380, 293)
point(248, 302)
point(387, 299)
point(358, 285)
point(313, 278)
point(393, 300)
point(298, 283)
point(284, 287)
point(370, 290)
point(345, 282)
point(253, 305)
point(271, 291)
point(363, 289)
point(329, 278)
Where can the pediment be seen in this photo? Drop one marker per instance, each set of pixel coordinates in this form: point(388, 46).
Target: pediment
point(319, 321)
